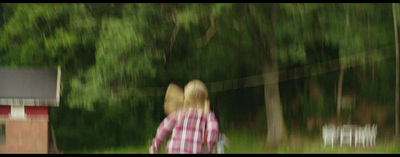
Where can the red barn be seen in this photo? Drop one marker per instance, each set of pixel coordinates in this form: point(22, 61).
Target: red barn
point(25, 98)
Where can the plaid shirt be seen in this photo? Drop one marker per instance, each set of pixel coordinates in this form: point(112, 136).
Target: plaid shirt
point(187, 132)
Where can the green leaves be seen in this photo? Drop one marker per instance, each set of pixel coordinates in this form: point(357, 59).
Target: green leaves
point(185, 18)
point(122, 59)
point(60, 40)
point(39, 34)
point(84, 95)
point(354, 30)
point(293, 53)
point(123, 46)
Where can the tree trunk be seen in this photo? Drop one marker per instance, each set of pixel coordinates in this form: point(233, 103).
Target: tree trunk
point(276, 124)
point(397, 72)
point(339, 92)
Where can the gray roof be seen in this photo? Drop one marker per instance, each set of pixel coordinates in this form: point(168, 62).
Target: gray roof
point(29, 87)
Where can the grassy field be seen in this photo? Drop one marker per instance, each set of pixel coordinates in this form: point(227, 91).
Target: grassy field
point(120, 150)
point(245, 143)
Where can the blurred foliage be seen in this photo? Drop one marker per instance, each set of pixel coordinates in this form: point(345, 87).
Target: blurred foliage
point(107, 52)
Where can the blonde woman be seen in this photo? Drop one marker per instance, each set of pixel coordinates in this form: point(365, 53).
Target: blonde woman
point(189, 124)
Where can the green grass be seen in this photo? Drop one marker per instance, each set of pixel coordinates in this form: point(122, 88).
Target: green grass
point(248, 143)
point(119, 150)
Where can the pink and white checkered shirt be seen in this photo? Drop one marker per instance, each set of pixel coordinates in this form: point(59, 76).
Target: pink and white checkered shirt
point(187, 132)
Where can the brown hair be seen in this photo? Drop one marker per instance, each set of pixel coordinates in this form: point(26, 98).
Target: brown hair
point(196, 96)
point(173, 99)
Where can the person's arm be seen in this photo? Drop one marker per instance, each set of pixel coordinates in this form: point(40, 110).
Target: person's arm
point(165, 127)
point(212, 132)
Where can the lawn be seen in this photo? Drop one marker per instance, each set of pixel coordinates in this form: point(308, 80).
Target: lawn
point(246, 143)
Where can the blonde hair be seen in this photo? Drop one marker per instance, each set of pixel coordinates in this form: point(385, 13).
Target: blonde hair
point(196, 96)
point(173, 99)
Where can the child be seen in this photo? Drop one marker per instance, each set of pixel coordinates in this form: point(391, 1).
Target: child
point(173, 99)
point(189, 124)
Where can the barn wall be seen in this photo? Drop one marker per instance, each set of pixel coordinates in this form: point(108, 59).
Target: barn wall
point(26, 136)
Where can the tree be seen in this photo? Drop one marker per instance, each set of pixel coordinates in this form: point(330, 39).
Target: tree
point(47, 35)
point(397, 71)
point(352, 29)
point(269, 41)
